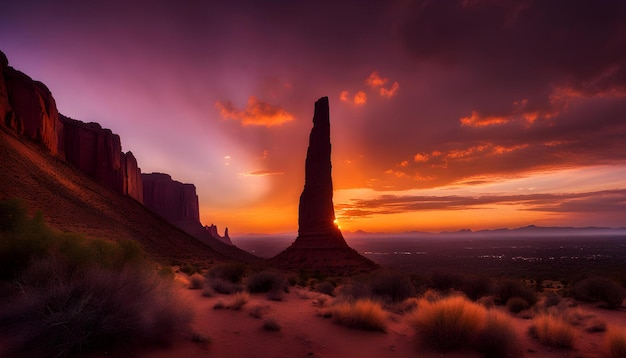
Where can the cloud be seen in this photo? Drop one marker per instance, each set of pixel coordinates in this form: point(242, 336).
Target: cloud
point(375, 81)
point(476, 120)
point(256, 113)
point(360, 98)
point(390, 92)
point(264, 172)
point(587, 202)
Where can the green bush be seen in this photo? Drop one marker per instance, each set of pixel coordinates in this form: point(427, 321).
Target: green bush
point(594, 289)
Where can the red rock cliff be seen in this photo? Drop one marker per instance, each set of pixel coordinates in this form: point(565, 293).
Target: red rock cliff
point(97, 152)
point(170, 199)
point(28, 107)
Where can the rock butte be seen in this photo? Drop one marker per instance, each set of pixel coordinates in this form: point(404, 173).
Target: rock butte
point(320, 244)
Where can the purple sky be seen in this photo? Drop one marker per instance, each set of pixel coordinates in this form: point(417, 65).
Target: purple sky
point(444, 114)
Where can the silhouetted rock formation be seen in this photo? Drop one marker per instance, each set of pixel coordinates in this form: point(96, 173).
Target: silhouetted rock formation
point(178, 203)
point(320, 244)
point(27, 107)
point(97, 152)
point(170, 199)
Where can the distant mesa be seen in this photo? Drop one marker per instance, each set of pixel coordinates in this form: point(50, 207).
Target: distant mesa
point(320, 244)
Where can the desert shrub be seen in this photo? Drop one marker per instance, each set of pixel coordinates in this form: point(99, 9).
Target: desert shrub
point(266, 281)
point(354, 290)
point(230, 271)
point(98, 309)
point(189, 269)
point(325, 287)
point(498, 337)
point(449, 323)
point(200, 338)
point(223, 286)
point(513, 288)
point(392, 286)
point(271, 325)
point(615, 344)
point(239, 300)
point(516, 304)
point(166, 272)
point(219, 305)
point(486, 301)
point(594, 289)
point(552, 331)
point(196, 281)
point(361, 314)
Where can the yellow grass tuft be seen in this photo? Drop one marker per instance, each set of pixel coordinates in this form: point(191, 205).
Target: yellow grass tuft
point(238, 300)
point(449, 323)
point(553, 331)
point(616, 342)
point(362, 314)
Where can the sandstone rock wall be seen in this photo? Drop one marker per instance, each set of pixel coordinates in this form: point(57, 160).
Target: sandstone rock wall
point(28, 107)
point(170, 199)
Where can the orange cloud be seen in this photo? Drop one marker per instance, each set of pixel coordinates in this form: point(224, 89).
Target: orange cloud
point(256, 113)
point(477, 120)
point(360, 98)
point(264, 172)
point(420, 158)
point(375, 81)
point(392, 91)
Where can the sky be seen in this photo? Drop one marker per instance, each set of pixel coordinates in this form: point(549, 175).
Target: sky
point(445, 115)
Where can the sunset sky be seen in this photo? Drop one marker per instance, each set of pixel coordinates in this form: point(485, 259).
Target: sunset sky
point(445, 115)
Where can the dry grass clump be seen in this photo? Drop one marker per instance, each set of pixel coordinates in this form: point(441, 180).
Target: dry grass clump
point(507, 289)
point(615, 343)
point(230, 271)
point(223, 286)
point(498, 337)
point(196, 281)
point(553, 331)
point(596, 325)
point(516, 304)
point(361, 314)
point(325, 287)
point(239, 300)
point(449, 323)
point(391, 286)
point(456, 322)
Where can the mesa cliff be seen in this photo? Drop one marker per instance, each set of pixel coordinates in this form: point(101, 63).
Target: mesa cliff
point(320, 244)
point(28, 109)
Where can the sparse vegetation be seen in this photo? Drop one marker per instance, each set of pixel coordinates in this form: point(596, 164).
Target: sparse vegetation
point(596, 325)
point(223, 286)
point(600, 289)
point(361, 314)
point(230, 271)
point(516, 304)
point(391, 286)
point(498, 337)
point(325, 287)
point(616, 343)
point(449, 323)
point(78, 295)
point(507, 289)
point(266, 281)
point(189, 269)
point(456, 322)
point(553, 331)
point(196, 281)
point(239, 300)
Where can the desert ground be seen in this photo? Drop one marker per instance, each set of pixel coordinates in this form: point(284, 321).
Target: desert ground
point(304, 332)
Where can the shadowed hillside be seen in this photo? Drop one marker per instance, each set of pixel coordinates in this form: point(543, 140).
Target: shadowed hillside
point(72, 202)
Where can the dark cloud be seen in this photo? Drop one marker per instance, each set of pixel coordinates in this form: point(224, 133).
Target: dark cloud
point(594, 202)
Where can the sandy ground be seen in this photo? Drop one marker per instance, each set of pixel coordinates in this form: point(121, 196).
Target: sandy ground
point(304, 333)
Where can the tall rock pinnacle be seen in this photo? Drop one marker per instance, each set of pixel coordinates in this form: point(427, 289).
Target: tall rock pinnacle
point(320, 245)
point(316, 220)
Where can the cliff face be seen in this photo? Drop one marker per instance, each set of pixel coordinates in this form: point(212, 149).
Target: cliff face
point(170, 199)
point(97, 152)
point(28, 107)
